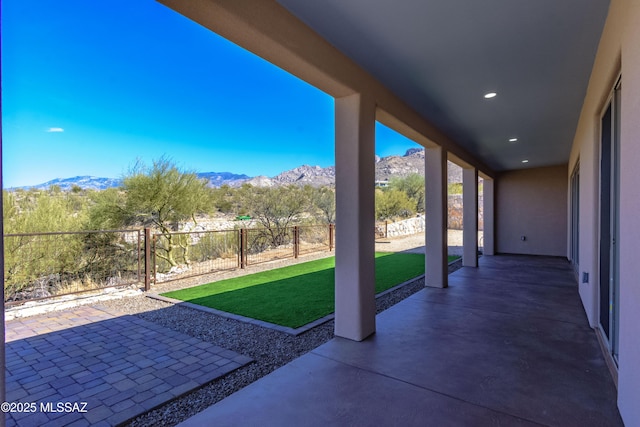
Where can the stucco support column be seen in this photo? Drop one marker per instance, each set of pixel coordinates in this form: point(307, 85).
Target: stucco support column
point(355, 223)
point(470, 217)
point(488, 218)
point(435, 184)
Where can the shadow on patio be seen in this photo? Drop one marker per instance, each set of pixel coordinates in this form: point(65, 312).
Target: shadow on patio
point(506, 344)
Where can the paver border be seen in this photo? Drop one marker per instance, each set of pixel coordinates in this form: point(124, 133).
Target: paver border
point(287, 330)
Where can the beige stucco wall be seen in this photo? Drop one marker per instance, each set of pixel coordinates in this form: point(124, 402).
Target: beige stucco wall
point(629, 378)
point(618, 54)
point(585, 150)
point(532, 203)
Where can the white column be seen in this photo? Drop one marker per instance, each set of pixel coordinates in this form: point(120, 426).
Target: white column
point(435, 183)
point(488, 217)
point(355, 217)
point(470, 217)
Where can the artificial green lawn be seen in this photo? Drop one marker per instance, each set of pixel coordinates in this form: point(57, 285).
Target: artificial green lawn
point(295, 295)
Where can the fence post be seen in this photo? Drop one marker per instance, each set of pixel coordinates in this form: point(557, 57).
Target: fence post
point(243, 247)
point(386, 229)
point(331, 231)
point(154, 261)
point(147, 259)
point(296, 241)
point(239, 251)
point(139, 248)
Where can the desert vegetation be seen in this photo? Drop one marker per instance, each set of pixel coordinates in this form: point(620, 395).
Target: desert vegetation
point(162, 197)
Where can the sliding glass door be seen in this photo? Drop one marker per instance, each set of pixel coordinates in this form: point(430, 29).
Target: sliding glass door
point(609, 227)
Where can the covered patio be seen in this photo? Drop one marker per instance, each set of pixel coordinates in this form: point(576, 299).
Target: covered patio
point(541, 102)
point(506, 344)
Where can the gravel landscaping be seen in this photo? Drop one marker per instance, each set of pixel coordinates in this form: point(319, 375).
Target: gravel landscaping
point(269, 348)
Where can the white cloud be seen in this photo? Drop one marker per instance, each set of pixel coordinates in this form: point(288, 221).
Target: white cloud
point(55, 130)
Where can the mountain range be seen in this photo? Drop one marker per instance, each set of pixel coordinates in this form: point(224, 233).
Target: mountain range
point(386, 167)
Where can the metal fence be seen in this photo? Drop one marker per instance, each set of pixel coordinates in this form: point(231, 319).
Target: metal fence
point(187, 254)
point(202, 252)
point(382, 229)
point(269, 244)
point(43, 265)
point(315, 238)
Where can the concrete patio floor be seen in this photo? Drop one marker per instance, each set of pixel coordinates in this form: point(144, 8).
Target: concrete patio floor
point(506, 344)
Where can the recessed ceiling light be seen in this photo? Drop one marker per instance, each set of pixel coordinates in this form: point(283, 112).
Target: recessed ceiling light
point(525, 161)
point(490, 95)
point(513, 139)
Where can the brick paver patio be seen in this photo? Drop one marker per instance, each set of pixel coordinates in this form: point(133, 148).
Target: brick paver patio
point(120, 366)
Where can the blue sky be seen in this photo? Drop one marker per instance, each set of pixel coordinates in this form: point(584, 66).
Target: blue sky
point(89, 87)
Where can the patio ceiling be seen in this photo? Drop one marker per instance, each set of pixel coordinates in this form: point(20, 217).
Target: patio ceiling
point(442, 56)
